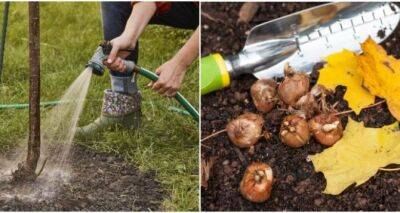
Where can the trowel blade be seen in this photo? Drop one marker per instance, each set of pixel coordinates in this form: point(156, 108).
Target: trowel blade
point(326, 29)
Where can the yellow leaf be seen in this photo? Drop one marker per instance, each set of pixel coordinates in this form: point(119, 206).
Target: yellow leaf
point(342, 69)
point(358, 155)
point(381, 74)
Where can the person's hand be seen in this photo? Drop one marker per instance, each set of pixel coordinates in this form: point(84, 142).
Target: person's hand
point(115, 58)
point(171, 75)
point(140, 16)
point(172, 72)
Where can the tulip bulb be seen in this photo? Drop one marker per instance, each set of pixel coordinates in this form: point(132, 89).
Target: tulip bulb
point(294, 131)
point(245, 130)
point(257, 181)
point(326, 128)
point(264, 94)
point(294, 86)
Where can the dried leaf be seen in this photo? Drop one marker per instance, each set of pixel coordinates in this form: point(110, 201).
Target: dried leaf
point(381, 74)
point(342, 69)
point(206, 166)
point(374, 73)
point(358, 155)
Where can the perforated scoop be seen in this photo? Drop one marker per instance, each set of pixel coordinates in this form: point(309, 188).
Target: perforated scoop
point(302, 39)
point(321, 31)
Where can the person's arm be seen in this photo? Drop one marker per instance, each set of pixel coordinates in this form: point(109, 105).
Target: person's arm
point(138, 20)
point(172, 72)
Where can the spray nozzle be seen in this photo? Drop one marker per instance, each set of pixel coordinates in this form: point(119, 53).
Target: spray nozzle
point(101, 53)
point(96, 62)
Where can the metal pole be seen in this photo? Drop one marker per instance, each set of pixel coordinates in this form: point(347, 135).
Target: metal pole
point(34, 88)
point(3, 35)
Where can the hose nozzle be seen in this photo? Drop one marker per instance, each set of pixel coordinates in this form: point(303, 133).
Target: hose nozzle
point(101, 54)
point(96, 62)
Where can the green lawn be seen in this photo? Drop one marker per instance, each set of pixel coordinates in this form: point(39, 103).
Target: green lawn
point(167, 141)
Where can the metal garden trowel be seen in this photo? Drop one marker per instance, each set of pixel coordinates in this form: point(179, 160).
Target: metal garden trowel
point(302, 39)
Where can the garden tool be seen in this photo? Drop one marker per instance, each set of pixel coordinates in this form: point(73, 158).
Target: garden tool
point(96, 64)
point(301, 39)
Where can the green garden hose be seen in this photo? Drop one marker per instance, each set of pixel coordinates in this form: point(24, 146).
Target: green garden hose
point(97, 67)
point(178, 110)
point(148, 74)
point(23, 106)
point(185, 103)
point(53, 103)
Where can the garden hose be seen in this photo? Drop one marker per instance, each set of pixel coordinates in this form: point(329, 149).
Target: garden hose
point(178, 110)
point(182, 100)
point(23, 106)
point(102, 52)
point(53, 103)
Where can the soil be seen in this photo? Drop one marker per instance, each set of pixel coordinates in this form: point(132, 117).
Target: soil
point(100, 182)
point(297, 185)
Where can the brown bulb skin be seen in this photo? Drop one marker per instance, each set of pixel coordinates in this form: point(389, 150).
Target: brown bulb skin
point(245, 130)
point(326, 129)
point(264, 93)
point(293, 87)
point(294, 131)
point(257, 182)
point(307, 104)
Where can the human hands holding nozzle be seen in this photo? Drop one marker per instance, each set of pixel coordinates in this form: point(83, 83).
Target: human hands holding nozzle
point(170, 73)
point(121, 47)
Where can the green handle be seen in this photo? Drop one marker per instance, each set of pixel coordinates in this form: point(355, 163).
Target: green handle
point(185, 103)
point(214, 75)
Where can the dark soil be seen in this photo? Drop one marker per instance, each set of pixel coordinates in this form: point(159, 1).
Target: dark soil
point(297, 185)
point(100, 182)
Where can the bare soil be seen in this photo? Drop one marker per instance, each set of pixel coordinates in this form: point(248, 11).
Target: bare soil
point(298, 186)
point(100, 182)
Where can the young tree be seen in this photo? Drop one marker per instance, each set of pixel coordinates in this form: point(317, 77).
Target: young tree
point(27, 170)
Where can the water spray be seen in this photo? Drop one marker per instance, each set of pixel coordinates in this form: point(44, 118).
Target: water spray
point(97, 67)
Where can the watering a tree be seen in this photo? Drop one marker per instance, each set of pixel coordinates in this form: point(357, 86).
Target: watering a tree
point(27, 170)
point(45, 161)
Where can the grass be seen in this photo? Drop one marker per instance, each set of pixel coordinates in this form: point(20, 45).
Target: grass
point(167, 142)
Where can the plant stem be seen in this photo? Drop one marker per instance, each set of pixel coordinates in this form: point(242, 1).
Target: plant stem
point(213, 135)
point(370, 106)
point(390, 169)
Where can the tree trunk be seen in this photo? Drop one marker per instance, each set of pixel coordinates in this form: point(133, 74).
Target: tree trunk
point(27, 171)
point(34, 87)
